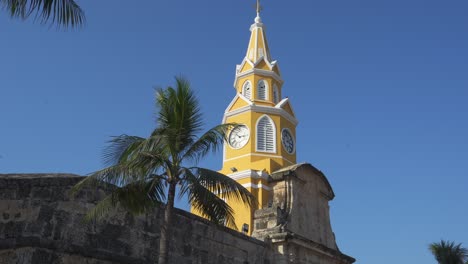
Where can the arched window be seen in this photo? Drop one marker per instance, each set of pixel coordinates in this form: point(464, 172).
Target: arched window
point(275, 94)
point(262, 90)
point(247, 90)
point(265, 135)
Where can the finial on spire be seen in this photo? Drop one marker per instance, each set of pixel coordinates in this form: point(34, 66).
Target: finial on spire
point(258, 8)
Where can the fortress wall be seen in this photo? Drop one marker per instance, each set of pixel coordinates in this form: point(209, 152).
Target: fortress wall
point(41, 224)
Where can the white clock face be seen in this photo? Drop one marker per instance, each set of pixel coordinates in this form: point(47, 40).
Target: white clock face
point(288, 141)
point(239, 136)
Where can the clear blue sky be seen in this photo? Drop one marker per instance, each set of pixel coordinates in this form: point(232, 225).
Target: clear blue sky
point(380, 89)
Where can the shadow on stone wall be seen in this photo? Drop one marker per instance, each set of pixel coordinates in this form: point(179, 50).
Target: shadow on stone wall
point(41, 224)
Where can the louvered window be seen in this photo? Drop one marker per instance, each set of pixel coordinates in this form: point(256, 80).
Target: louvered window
point(247, 90)
point(265, 135)
point(275, 94)
point(262, 90)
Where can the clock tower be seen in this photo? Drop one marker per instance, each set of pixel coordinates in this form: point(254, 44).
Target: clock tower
point(264, 139)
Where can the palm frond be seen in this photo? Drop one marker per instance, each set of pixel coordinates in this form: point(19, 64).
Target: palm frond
point(142, 168)
point(137, 198)
point(121, 148)
point(447, 252)
point(140, 197)
point(103, 207)
point(62, 12)
point(220, 184)
point(179, 114)
point(134, 158)
point(208, 142)
point(120, 174)
point(86, 182)
point(206, 202)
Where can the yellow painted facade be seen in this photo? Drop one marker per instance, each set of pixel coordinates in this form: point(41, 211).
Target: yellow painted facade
point(258, 105)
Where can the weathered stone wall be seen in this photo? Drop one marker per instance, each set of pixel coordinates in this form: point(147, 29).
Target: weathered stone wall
point(310, 196)
point(40, 223)
point(298, 222)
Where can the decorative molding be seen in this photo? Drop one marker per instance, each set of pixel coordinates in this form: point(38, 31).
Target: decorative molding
point(238, 95)
point(283, 102)
point(248, 174)
point(258, 155)
point(257, 186)
point(247, 100)
point(267, 73)
point(264, 110)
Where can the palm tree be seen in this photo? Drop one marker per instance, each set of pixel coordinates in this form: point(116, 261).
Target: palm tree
point(61, 12)
point(149, 171)
point(447, 252)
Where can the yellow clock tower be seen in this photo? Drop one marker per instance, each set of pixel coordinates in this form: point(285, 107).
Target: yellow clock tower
point(264, 139)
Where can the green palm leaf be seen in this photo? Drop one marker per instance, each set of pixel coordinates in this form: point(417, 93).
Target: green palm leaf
point(143, 172)
point(208, 142)
point(137, 198)
point(220, 184)
point(121, 148)
point(204, 200)
point(61, 12)
point(447, 252)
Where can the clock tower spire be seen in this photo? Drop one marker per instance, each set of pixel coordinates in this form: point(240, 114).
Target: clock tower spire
point(264, 139)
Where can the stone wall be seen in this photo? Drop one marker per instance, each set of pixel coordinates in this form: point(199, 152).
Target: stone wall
point(297, 225)
point(41, 224)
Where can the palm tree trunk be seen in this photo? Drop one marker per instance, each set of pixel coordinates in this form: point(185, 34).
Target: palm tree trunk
point(166, 228)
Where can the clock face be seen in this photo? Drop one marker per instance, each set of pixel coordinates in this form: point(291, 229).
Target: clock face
point(288, 141)
point(239, 136)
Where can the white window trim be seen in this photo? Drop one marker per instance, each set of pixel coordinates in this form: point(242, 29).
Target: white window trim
point(243, 89)
point(274, 135)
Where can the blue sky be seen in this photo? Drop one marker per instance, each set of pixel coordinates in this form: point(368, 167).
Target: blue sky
point(380, 89)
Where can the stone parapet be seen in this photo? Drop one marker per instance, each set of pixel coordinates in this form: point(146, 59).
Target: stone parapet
point(41, 223)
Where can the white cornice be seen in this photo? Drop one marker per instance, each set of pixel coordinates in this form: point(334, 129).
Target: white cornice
point(283, 103)
point(268, 73)
point(258, 155)
point(253, 64)
point(262, 109)
point(238, 95)
point(247, 100)
point(248, 174)
point(265, 59)
point(257, 186)
point(256, 25)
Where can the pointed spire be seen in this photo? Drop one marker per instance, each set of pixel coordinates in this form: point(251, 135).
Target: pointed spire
point(259, 8)
point(258, 46)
